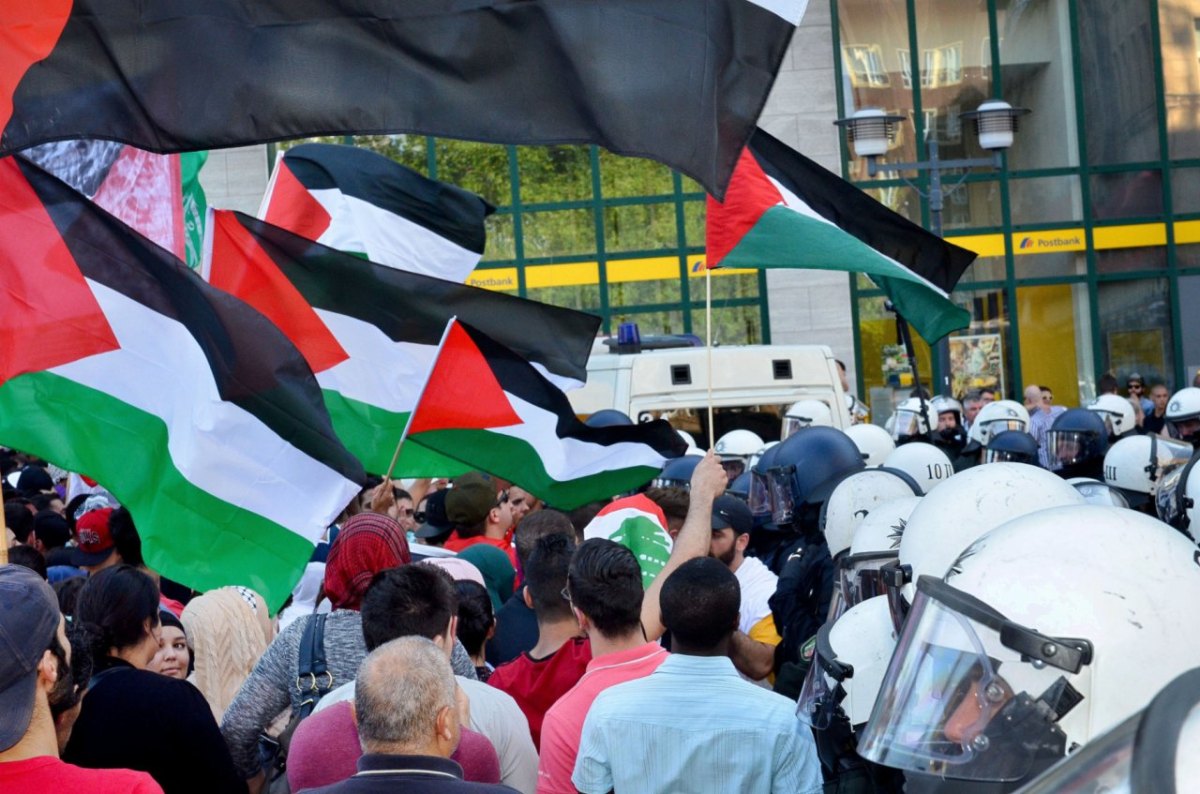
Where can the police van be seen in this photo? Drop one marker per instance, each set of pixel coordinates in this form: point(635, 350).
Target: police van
point(752, 386)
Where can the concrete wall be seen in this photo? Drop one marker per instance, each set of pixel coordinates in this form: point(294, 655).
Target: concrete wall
point(809, 306)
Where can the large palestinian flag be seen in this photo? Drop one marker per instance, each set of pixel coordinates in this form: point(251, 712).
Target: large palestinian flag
point(370, 333)
point(166, 76)
point(638, 524)
point(361, 202)
point(118, 362)
point(783, 210)
point(487, 407)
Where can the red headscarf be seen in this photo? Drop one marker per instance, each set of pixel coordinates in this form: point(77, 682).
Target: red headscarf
point(367, 544)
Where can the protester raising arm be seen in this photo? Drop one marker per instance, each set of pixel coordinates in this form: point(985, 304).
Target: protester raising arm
point(708, 482)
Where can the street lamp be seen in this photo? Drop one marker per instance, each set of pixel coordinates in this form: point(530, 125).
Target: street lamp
point(871, 131)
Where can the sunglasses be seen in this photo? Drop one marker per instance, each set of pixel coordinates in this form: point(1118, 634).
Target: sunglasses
point(502, 499)
point(1133, 386)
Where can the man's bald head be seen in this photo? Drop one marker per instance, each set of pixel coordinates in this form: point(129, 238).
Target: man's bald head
point(1033, 397)
point(401, 695)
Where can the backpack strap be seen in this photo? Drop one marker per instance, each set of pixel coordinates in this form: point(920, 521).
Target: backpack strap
point(313, 679)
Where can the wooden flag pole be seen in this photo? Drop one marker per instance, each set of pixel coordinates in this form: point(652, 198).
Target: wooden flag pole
point(408, 424)
point(708, 330)
point(3, 539)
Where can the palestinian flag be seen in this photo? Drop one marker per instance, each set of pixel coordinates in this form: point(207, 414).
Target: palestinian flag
point(785, 211)
point(486, 406)
point(639, 525)
point(370, 333)
point(119, 363)
point(361, 202)
point(628, 75)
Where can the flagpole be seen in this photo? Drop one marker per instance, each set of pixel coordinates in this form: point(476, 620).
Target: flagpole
point(4, 539)
point(424, 384)
point(708, 331)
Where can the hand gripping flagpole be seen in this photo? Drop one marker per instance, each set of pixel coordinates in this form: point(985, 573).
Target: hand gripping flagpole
point(424, 384)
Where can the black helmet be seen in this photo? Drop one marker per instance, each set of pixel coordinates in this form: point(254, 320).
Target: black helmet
point(1012, 445)
point(805, 469)
point(677, 473)
point(1076, 443)
point(740, 487)
point(608, 417)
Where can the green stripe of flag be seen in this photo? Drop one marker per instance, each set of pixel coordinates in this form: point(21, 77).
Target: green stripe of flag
point(371, 433)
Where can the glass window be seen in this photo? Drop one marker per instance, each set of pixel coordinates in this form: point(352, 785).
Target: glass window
point(501, 242)
point(1036, 70)
point(558, 233)
point(632, 176)
point(1050, 199)
point(956, 70)
point(1056, 341)
point(1185, 190)
point(972, 205)
point(732, 325)
point(899, 198)
point(1127, 194)
point(1179, 25)
point(585, 297)
point(864, 64)
point(478, 167)
point(1124, 260)
point(984, 268)
point(554, 173)
point(883, 368)
point(1189, 321)
point(1135, 328)
point(1117, 64)
point(1049, 264)
point(693, 222)
point(650, 323)
point(640, 227)
point(629, 294)
point(980, 355)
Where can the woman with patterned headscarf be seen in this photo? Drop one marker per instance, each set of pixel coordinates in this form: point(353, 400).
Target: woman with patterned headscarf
point(367, 544)
point(229, 630)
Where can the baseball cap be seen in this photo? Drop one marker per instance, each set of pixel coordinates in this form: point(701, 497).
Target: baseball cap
point(95, 539)
point(29, 619)
point(731, 512)
point(1135, 377)
point(436, 524)
point(469, 501)
point(34, 479)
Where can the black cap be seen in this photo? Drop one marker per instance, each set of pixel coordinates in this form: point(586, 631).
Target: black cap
point(729, 511)
point(436, 523)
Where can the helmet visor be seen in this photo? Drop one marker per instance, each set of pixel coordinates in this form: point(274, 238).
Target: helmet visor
point(1067, 447)
point(1007, 456)
point(946, 706)
point(908, 423)
point(822, 690)
point(759, 497)
point(997, 426)
point(783, 507)
point(860, 576)
point(670, 482)
point(791, 424)
point(1167, 503)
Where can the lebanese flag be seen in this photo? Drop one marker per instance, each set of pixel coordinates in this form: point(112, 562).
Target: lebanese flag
point(361, 202)
point(370, 333)
point(679, 81)
point(190, 407)
point(487, 407)
point(638, 524)
point(782, 210)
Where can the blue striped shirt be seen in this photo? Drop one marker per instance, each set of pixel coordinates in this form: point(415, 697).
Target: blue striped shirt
point(694, 725)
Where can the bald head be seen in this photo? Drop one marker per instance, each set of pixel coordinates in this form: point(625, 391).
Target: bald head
point(1033, 397)
point(405, 699)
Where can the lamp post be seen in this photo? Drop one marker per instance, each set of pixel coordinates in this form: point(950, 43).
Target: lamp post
point(871, 131)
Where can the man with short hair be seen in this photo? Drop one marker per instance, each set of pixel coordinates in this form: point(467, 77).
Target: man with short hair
point(971, 405)
point(604, 586)
point(1156, 418)
point(987, 395)
point(35, 683)
point(694, 724)
point(407, 708)
point(755, 640)
point(1040, 420)
point(419, 601)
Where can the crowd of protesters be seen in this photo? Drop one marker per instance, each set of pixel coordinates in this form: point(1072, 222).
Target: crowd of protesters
point(463, 636)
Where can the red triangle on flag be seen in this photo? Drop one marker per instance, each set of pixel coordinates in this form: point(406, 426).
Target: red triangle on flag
point(749, 195)
point(28, 32)
point(48, 314)
point(293, 207)
point(462, 392)
point(242, 268)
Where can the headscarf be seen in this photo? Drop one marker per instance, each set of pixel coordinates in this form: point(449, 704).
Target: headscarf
point(368, 543)
point(497, 571)
point(229, 629)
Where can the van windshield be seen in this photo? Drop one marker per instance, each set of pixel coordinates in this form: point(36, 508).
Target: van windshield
point(763, 420)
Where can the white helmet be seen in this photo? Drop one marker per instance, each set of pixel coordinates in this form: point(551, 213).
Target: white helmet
point(1044, 633)
point(872, 441)
point(941, 404)
point(908, 421)
point(849, 661)
point(1183, 413)
point(996, 417)
point(1175, 501)
point(754, 458)
point(855, 497)
point(974, 501)
point(1118, 414)
point(1137, 464)
point(738, 444)
point(1152, 752)
point(805, 413)
point(925, 463)
point(1095, 492)
point(876, 543)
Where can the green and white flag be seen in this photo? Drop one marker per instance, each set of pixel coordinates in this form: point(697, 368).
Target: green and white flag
point(638, 524)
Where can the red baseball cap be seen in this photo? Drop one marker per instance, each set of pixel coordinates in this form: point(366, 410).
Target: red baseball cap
point(94, 537)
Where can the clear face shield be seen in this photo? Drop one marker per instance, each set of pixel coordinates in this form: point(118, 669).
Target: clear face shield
point(822, 692)
point(893, 576)
point(970, 695)
point(859, 578)
point(792, 424)
point(759, 497)
point(1068, 447)
point(1171, 501)
point(1098, 493)
point(783, 507)
point(1007, 456)
point(998, 426)
point(908, 423)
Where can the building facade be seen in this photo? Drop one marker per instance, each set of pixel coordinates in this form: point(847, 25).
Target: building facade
point(1088, 237)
